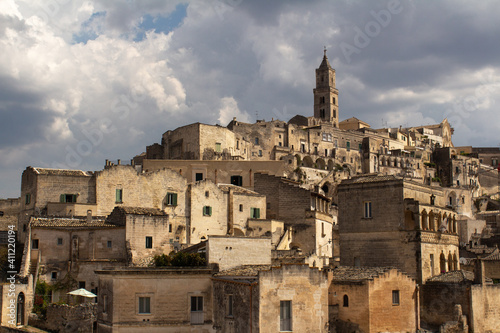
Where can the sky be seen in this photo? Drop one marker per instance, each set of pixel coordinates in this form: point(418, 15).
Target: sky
point(86, 81)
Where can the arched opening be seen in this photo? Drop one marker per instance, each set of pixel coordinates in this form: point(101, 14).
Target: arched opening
point(326, 187)
point(450, 262)
point(454, 224)
point(425, 223)
point(455, 262)
point(409, 220)
point(452, 199)
point(346, 301)
point(331, 165)
point(307, 162)
point(20, 309)
point(238, 232)
point(431, 221)
point(438, 221)
point(320, 164)
point(442, 263)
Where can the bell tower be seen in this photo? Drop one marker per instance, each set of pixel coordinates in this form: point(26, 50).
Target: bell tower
point(325, 94)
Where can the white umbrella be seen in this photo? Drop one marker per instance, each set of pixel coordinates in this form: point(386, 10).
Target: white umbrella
point(82, 292)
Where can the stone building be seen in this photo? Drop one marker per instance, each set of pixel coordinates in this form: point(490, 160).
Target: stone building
point(65, 252)
point(307, 216)
point(173, 299)
point(416, 232)
point(271, 299)
point(372, 299)
point(473, 292)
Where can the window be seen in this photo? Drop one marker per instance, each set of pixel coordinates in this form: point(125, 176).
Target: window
point(285, 315)
point(256, 141)
point(237, 180)
point(357, 262)
point(348, 145)
point(197, 310)
point(198, 176)
point(322, 113)
point(171, 199)
point(255, 213)
point(395, 297)
point(105, 304)
point(432, 264)
point(260, 152)
point(109, 244)
point(218, 147)
point(207, 194)
point(207, 211)
point(333, 100)
point(241, 207)
point(144, 305)
point(170, 227)
point(119, 195)
point(149, 242)
point(229, 305)
point(367, 210)
point(81, 284)
point(53, 276)
point(27, 199)
point(346, 301)
point(34, 244)
point(59, 241)
point(322, 100)
point(67, 198)
point(360, 147)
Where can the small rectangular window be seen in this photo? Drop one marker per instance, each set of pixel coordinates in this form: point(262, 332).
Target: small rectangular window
point(109, 244)
point(198, 176)
point(395, 297)
point(34, 244)
point(230, 305)
point(27, 199)
point(59, 241)
point(105, 304)
point(171, 199)
point(68, 198)
point(81, 284)
point(285, 316)
point(237, 180)
point(53, 276)
point(144, 305)
point(197, 310)
point(149, 242)
point(170, 227)
point(367, 209)
point(119, 195)
point(207, 211)
point(260, 152)
point(218, 147)
point(348, 146)
point(255, 213)
point(241, 207)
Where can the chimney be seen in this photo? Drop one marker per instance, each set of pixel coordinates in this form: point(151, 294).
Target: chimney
point(89, 216)
point(479, 277)
point(119, 162)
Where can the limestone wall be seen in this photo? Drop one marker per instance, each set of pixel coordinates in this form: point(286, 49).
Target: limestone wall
point(307, 290)
point(229, 252)
point(486, 309)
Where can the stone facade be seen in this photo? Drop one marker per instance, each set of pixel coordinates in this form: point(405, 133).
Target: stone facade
point(173, 300)
point(415, 233)
point(229, 252)
point(16, 302)
point(372, 300)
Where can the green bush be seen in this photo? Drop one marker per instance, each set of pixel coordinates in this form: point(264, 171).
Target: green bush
point(180, 259)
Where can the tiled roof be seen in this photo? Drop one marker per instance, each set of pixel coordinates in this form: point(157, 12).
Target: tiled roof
point(369, 179)
point(495, 255)
point(60, 222)
point(141, 211)
point(60, 172)
point(237, 189)
point(244, 270)
point(348, 273)
point(453, 277)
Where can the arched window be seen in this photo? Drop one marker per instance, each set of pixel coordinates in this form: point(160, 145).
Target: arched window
point(346, 301)
point(450, 263)
point(442, 263)
point(431, 221)
point(425, 223)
